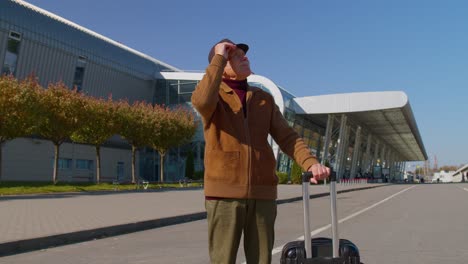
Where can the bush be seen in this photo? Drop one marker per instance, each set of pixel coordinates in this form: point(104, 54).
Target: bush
point(282, 177)
point(198, 175)
point(296, 174)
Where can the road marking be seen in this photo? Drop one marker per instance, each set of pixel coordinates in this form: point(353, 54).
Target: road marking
point(465, 189)
point(323, 228)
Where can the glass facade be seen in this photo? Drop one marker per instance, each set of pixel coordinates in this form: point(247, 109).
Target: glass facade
point(174, 162)
point(64, 164)
point(149, 164)
point(83, 164)
point(79, 73)
point(11, 54)
point(173, 92)
point(312, 133)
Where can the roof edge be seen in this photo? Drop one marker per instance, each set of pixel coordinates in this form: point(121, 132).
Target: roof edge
point(90, 32)
point(351, 102)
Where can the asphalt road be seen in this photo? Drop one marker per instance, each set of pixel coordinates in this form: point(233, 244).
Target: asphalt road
point(425, 223)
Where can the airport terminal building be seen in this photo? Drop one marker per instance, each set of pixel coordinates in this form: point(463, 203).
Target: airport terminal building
point(372, 133)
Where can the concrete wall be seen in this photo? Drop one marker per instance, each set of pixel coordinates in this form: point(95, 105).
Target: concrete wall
point(27, 159)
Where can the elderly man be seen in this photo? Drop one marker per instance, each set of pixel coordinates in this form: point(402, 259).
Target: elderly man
point(240, 167)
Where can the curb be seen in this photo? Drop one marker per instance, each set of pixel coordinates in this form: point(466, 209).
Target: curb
point(104, 192)
point(26, 245)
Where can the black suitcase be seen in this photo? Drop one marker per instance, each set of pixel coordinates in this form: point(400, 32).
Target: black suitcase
point(320, 250)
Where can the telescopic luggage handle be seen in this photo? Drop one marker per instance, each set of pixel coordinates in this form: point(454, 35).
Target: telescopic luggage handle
point(334, 217)
point(305, 197)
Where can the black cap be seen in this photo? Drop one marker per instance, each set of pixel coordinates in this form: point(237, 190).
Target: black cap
point(241, 46)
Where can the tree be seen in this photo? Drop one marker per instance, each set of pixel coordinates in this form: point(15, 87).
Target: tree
point(449, 168)
point(282, 177)
point(17, 109)
point(190, 166)
point(135, 124)
point(172, 128)
point(60, 111)
point(98, 125)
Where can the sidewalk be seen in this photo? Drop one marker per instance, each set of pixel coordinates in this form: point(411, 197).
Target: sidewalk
point(32, 222)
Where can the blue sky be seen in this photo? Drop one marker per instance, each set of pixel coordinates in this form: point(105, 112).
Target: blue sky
point(313, 47)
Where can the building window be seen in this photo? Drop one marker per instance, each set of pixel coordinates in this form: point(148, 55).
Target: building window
point(187, 86)
point(173, 92)
point(79, 73)
point(160, 92)
point(11, 55)
point(83, 164)
point(186, 89)
point(64, 164)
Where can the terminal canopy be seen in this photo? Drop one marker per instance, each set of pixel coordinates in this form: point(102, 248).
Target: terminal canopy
point(387, 115)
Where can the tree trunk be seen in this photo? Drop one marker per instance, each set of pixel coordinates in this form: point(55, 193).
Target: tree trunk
point(56, 159)
point(133, 163)
point(98, 164)
point(1, 150)
point(161, 165)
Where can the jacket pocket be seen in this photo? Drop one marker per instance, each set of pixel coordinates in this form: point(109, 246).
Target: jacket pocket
point(264, 167)
point(222, 166)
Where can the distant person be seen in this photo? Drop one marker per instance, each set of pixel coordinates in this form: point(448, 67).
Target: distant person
point(240, 168)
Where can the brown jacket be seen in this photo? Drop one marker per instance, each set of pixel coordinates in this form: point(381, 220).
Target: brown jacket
point(239, 162)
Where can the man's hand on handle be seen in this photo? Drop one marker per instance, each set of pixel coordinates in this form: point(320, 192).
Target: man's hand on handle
point(319, 172)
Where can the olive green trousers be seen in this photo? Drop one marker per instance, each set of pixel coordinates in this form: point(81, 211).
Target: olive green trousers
point(229, 218)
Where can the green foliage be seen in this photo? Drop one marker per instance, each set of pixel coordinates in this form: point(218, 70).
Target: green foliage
point(18, 102)
point(98, 122)
point(282, 177)
point(171, 129)
point(296, 173)
point(190, 165)
point(135, 122)
point(199, 175)
point(135, 125)
point(179, 127)
point(60, 112)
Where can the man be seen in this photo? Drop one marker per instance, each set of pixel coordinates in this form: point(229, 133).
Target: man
point(240, 168)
